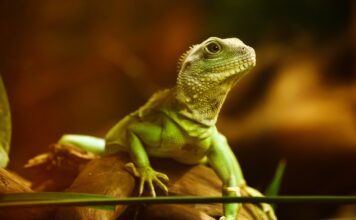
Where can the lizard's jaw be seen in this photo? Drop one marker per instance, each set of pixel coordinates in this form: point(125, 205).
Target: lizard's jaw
point(235, 67)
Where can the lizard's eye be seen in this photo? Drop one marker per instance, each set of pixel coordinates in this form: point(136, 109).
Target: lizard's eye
point(213, 48)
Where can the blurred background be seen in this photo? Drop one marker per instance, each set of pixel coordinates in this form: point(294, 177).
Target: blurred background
point(78, 66)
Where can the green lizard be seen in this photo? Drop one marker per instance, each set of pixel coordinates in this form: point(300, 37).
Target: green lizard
point(179, 123)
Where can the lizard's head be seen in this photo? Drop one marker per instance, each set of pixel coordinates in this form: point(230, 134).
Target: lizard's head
point(207, 72)
point(217, 60)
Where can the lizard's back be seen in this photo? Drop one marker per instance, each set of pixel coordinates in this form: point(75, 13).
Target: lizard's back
point(116, 138)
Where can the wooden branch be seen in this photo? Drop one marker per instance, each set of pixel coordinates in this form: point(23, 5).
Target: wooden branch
point(101, 176)
point(11, 183)
point(108, 176)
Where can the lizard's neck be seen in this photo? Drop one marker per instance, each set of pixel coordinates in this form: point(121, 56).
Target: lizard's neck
point(202, 98)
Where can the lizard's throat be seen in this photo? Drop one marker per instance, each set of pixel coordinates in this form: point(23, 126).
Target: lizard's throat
point(202, 101)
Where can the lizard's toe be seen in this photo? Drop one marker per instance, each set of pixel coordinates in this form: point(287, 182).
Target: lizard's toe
point(161, 185)
point(162, 176)
point(132, 169)
point(152, 188)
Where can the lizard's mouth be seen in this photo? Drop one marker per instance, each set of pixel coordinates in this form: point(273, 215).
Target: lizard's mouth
point(236, 66)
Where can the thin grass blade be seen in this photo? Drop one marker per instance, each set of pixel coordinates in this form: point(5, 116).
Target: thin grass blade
point(5, 126)
point(275, 185)
point(78, 199)
point(53, 198)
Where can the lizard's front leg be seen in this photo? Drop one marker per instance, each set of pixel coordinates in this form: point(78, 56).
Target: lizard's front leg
point(225, 165)
point(141, 165)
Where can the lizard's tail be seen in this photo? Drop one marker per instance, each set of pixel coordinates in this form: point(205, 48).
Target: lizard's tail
point(85, 142)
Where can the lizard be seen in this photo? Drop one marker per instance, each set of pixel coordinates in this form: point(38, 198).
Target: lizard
point(180, 123)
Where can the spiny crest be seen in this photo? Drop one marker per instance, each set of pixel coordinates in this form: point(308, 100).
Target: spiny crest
point(183, 57)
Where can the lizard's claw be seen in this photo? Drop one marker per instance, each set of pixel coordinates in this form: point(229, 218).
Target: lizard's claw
point(266, 208)
point(264, 211)
point(149, 175)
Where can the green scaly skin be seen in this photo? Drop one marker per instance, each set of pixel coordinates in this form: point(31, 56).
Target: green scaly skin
point(179, 123)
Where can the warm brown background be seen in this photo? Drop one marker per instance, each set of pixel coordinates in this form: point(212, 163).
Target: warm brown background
point(78, 66)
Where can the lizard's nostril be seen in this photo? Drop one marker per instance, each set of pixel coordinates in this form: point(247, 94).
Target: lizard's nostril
point(243, 50)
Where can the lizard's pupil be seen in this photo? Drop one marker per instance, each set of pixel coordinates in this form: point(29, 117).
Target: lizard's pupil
point(213, 47)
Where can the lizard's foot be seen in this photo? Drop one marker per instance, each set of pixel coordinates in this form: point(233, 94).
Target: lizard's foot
point(266, 208)
point(149, 175)
point(265, 211)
